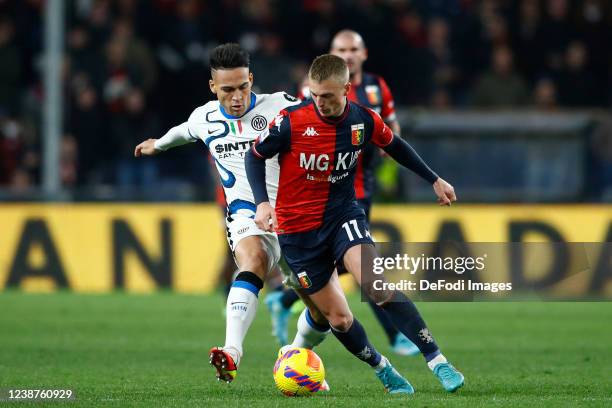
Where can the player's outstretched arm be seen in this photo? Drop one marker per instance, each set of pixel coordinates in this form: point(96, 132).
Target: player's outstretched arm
point(177, 136)
point(265, 217)
point(404, 154)
point(255, 166)
point(146, 148)
point(444, 191)
point(273, 140)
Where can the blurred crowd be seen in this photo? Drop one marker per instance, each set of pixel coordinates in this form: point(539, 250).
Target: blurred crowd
point(133, 68)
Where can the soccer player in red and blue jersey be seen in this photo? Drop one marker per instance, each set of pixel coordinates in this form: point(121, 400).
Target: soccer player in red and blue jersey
point(317, 218)
point(368, 90)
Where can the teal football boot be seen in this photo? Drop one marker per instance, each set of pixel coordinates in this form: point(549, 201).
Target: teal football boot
point(403, 346)
point(393, 381)
point(449, 377)
point(280, 317)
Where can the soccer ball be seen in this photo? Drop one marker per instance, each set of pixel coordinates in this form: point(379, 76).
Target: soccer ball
point(298, 372)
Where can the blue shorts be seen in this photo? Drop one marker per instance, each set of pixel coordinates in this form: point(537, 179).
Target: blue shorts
point(366, 205)
point(313, 255)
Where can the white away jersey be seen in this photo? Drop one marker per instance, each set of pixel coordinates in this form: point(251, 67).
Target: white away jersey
point(229, 138)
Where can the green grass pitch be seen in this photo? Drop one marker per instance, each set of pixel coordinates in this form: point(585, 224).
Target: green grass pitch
point(151, 350)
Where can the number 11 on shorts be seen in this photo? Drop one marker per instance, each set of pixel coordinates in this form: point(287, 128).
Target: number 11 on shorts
point(349, 233)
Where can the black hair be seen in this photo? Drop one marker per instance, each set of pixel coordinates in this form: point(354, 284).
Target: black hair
point(228, 56)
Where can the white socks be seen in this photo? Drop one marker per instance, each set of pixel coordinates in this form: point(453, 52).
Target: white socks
point(241, 308)
point(383, 363)
point(431, 364)
point(309, 333)
point(436, 360)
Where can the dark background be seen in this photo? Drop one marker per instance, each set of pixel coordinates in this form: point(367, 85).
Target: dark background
point(133, 69)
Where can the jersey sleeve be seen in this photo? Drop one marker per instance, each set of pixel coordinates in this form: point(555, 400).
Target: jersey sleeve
point(275, 139)
point(289, 100)
point(197, 125)
point(388, 104)
point(381, 134)
point(176, 136)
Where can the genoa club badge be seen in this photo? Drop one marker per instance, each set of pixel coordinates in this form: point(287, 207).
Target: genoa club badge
point(357, 134)
point(304, 280)
point(373, 94)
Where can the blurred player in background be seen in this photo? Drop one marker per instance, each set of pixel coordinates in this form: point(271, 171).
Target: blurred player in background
point(228, 126)
point(371, 91)
point(321, 226)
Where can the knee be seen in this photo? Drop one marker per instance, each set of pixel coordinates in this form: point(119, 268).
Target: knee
point(317, 316)
point(256, 261)
point(377, 296)
point(340, 321)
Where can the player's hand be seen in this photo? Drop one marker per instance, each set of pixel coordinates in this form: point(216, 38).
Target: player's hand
point(444, 191)
point(146, 148)
point(265, 217)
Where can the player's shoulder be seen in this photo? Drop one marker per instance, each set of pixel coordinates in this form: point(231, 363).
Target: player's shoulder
point(299, 113)
point(202, 114)
point(305, 104)
point(295, 114)
point(280, 100)
point(300, 107)
point(372, 79)
point(364, 111)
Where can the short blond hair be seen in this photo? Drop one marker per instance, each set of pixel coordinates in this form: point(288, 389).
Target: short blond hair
point(329, 66)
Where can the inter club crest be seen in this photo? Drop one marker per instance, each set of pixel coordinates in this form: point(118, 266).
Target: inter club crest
point(357, 134)
point(259, 123)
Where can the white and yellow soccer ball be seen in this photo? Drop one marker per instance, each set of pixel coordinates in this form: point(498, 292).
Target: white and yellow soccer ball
point(298, 372)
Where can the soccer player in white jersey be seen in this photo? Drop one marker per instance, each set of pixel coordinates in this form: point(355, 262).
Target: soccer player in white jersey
point(228, 127)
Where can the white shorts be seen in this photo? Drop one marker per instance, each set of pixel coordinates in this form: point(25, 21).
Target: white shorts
point(241, 227)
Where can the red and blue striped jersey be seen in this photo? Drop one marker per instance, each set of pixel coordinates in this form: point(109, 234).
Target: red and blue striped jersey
point(318, 159)
point(374, 93)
